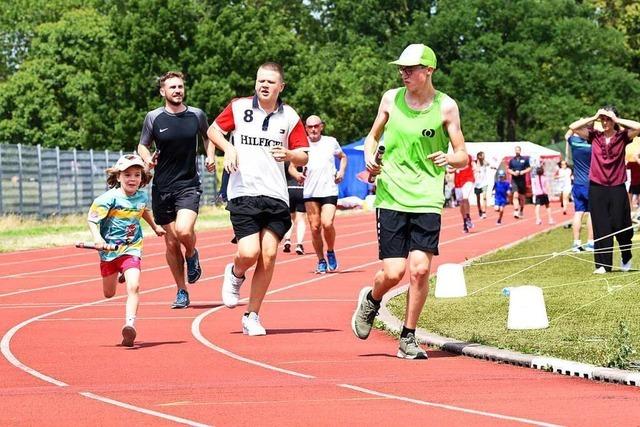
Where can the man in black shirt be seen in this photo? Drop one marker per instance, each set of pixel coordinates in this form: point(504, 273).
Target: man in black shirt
point(176, 190)
point(518, 168)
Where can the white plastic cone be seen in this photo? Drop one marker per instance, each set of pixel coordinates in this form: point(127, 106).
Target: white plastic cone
point(527, 309)
point(450, 281)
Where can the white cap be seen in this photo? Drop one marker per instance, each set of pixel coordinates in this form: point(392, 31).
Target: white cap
point(128, 160)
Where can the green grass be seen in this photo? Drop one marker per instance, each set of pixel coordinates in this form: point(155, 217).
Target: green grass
point(592, 319)
point(20, 232)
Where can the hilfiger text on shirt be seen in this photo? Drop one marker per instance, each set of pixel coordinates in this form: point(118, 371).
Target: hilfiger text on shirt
point(262, 142)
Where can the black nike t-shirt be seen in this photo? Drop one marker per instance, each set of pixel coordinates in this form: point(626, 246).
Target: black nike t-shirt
point(176, 136)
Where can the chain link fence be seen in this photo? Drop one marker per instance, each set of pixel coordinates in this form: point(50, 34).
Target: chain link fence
point(49, 181)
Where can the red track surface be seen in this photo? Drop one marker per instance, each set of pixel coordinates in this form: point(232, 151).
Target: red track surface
point(63, 365)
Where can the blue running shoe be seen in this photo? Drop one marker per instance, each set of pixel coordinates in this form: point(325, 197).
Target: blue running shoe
point(322, 267)
point(193, 268)
point(182, 299)
point(332, 262)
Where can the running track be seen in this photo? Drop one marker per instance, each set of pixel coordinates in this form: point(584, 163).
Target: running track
point(62, 364)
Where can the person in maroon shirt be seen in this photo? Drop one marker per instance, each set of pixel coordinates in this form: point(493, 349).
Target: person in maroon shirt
point(608, 201)
point(634, 185)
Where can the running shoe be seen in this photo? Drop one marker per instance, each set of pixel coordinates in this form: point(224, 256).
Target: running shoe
point(251, 325)
point(465, 229)
point(332, 262)
point(182, 299)
point(366, 311)
point(300, 249)
point(589, 247)
point(468, 223)
point(128, 336)
point(231, 287)
point(538, 221)
point(625, 266)
point(600, 270)
point(287, 246)
point(577, 247)
point(551, 222)
point(498, 222)
point(409, 348)
point(484, 215)
point(322, 267)
point(193, 267)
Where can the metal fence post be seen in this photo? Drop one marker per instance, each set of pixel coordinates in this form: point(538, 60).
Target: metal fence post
point(39, 151)
point(108, 163)
point(75, 177)
point(59, 207)
point(20, 195)
point(91, 165)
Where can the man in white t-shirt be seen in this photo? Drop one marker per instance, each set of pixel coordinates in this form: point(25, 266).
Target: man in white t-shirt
point(321, 191)
point(266, 132)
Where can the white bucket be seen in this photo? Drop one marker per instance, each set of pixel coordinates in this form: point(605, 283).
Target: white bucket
point(527, 309)
point(450, 281)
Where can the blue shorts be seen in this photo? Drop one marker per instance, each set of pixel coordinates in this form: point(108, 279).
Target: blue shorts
point(500, 201)
point(580, 194)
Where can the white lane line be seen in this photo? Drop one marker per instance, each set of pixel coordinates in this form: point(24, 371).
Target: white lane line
point(142, 410)
point(447, 407)
point(269, 402)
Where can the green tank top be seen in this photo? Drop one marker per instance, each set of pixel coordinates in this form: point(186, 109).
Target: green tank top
point(409, 182)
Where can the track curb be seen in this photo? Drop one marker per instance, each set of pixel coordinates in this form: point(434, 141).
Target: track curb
point(494, 354)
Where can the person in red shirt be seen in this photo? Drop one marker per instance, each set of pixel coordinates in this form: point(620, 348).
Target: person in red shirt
point(608, 200)
point(464, 182)
point(634, 185)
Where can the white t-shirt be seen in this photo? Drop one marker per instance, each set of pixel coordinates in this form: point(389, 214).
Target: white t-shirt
point(254, 133)
point(564, 176)
point(320, 179)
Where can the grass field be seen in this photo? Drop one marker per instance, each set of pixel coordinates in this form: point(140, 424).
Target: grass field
point(592, 318)
point(19, 232)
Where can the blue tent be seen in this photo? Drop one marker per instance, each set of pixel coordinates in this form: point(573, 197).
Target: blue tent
point(351, 185)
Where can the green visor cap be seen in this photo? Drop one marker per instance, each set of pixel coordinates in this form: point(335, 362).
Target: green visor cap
point(417, 54)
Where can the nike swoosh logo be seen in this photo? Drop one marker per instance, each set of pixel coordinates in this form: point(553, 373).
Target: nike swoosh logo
point(162, 130)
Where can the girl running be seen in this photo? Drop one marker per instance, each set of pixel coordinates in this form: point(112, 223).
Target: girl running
point(114, 218)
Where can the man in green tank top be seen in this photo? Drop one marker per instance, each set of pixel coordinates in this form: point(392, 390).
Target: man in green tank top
point(418, 123)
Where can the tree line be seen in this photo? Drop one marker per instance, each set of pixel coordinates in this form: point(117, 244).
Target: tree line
point(81, 73)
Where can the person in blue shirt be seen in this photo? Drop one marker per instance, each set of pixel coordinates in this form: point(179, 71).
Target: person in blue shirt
point(519, 167)
point(579, 150)
point(114, 219)
point(501, 188)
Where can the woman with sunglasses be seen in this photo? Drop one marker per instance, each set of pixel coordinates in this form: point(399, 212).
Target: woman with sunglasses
point(608, 201)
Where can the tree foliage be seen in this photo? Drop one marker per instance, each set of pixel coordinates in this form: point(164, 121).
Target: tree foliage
point(81, 73)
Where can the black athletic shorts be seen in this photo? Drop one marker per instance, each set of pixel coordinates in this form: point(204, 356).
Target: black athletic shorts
point(519, 184)
point(296, 202)
point(542, 200)
point(402, 232)
point(328, 200)
point(251, 214)
point(165, 206)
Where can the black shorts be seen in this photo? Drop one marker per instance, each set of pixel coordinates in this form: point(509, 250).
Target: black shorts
point(328, 200)
point(165, 206)
point(251, 214)
point(634, 189)
point(519, 184)
point(542, 200)
point(296, 202)
point(402, 232)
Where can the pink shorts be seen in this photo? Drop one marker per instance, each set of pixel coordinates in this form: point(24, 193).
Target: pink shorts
point(119, 265)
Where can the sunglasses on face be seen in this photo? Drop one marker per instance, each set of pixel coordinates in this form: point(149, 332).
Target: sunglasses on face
point(410, 70)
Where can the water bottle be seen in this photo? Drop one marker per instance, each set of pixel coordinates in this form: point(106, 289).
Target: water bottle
point(506, 291)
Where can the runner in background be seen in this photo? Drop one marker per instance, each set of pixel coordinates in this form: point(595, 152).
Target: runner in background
point(501, 189)
point(321, 191)
point(295, 184)
point(579, 151)
point(540, 186)
point(464, 183)
point(564, 176)
point(266, 133)
point(634, 186)
point(114, 218)
point(519, 167)
point(481, 172)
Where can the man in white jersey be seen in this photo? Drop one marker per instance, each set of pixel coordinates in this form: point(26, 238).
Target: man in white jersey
point(321, 191)
point(266, 133)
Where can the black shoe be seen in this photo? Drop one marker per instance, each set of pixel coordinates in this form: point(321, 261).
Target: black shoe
point(194, 271)
point(299, 249)
point(287, 246)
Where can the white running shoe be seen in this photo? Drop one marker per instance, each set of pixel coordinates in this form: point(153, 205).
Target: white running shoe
point(251, 325)
point(625, 267)
point(231, 287)
point(600, 270)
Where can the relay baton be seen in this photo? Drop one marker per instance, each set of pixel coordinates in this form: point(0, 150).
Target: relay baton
point(378, 160)
point(91, 245)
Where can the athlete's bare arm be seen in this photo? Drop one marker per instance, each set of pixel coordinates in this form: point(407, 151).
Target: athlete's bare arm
point(371, 141)
point(216, 136)
point(451, 122)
